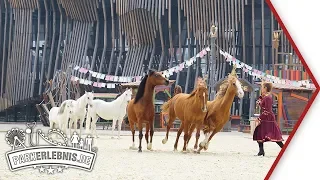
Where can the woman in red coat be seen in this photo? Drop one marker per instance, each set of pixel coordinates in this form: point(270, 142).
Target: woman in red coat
point(267, 129)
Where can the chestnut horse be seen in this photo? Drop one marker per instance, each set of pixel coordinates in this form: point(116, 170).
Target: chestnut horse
point(141, 109)
point(177, 90)
point(190, 109)
point(219, 109)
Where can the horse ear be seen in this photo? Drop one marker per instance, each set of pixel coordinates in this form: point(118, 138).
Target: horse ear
point(150, 72)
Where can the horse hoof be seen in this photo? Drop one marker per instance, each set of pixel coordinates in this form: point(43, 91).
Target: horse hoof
point(197, 152)
point(175, 150)
point(206, 146)
point(140, 151)
point(112, 137)
point(164, 141)
point(184, 152)
point(202, 144)
point(149, 147)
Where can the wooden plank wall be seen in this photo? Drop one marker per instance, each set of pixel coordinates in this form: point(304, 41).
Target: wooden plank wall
point(124, 37)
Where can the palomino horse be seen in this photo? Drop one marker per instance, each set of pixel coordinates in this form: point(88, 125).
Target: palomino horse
point(190, 109)
point(59, 116)
point(141, 109)
point(80, 110)
point(219, 109)
point(115, 110)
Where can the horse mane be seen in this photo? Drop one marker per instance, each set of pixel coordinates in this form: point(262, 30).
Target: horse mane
point(223, 89)
point(193, 93)
point(61, 109)
point(141, 88)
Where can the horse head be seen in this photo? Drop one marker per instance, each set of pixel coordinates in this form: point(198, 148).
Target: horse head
point(128, 95)
point(89, 98)
point(201, 94)
point(69, 107)
point(177, 89)
point(235, 86)
point(156, 78)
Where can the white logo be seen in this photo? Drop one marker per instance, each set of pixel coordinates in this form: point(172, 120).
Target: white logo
point(54, 156)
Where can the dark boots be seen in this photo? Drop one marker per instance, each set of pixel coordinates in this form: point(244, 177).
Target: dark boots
point(280, 144)
point(261, 150)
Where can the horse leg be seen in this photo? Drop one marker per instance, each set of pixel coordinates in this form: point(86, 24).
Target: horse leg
point(94, 125)
point(192, 128)
point(114, 121)
point(81, 124)
point(197, 138)
point(146, 136)
point(186, 136)
point(178, 136)
point(51, 125)
point(70, 125)
point(206, 146)
point(151, 135)
point(169, 124)
point(88, 121)
point(140, 134)
point(205, 141)
point(133, 133)
point(119, 127)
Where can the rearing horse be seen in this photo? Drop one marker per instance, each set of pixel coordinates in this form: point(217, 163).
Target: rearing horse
point(190, 109)
point(219, 109)
point(141, 109)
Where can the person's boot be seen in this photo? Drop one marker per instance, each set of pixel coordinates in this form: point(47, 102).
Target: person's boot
point(261, 150)
point(280, 144)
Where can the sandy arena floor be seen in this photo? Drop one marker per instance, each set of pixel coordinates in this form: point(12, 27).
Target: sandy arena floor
point(230, 156)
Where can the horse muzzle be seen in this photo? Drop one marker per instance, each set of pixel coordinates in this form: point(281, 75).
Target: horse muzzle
point(240, 95)
point(204, 109)
point(167, 82)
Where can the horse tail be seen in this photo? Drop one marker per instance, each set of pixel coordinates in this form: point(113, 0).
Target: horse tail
point(165, 107)
point(126, 119)
point(61, 109)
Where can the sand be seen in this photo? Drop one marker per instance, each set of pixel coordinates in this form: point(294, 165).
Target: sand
point(230, 156)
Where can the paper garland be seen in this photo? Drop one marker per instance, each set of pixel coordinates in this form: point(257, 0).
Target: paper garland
point(125, 79)
point(94, 84)
point(261, 75)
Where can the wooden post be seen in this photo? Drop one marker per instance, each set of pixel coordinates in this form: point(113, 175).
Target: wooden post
point(53, 104)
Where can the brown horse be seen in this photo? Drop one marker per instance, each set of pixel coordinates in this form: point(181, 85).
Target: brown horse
point(219, 109)
point(141, 109)
point(177, 90)
point(190, 109)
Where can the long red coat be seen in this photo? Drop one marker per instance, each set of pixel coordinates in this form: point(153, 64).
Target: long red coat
point(268, 129)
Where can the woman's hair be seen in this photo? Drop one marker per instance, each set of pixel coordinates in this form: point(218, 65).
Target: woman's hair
point(268, 86)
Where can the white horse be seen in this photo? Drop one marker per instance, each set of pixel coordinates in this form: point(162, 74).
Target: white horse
point(58, 116)
point(79, 110)
point(115, 110)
